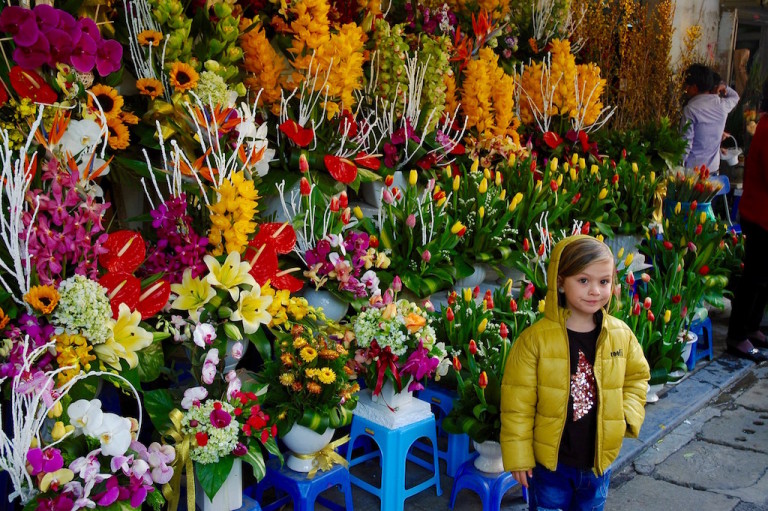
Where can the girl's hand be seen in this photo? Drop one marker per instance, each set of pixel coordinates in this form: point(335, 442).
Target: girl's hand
point(521, 476)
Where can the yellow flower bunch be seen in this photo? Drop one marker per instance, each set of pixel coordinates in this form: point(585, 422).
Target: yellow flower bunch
point(232, 216)
point(311, 29)
point(262, 63)
point(563, 68)
point(343, 53)
point(286, 308)
point(530, 82)
point(590, 83)
point(487, 95)
point(74, 351)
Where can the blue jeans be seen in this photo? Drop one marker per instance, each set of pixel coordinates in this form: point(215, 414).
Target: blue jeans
point(567, 489)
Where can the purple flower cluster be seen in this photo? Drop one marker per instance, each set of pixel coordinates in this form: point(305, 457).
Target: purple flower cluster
point(68, 234)
point(178, 246)
point(46, 35)
point(343, 260)
point(399, 137)
point(39, 333)
point(128, 478)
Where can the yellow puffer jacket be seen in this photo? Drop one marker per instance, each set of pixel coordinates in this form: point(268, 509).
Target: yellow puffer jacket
point(536, 386)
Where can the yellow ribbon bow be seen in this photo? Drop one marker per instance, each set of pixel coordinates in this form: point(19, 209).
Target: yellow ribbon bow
point(171, 490)
point(326, 457)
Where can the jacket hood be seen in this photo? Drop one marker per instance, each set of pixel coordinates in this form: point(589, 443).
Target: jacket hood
point(552, 309)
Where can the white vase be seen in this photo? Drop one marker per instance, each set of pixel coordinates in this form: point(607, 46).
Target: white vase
point(304, 441)
point(653, 392)
point(689, 340)
point(333, 307)
point(390, 398)
point(229, 496)
point(476, 278)
point(372, 191)
point(489, 459)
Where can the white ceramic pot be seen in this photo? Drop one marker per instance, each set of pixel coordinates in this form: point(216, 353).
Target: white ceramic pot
point(475, 279)
point(391, 399)
point(229, 496)
point(689, 340)
point(489, 459)
point(333, 308)
point(372, 191)
point(653, 392)
point(304, 441)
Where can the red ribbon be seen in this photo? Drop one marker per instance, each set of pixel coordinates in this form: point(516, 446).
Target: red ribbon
point(384, 359)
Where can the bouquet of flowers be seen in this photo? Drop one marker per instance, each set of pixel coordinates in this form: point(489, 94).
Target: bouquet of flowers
point(479, 362)
point(309, 378)
point(396, 343)
point(690, 186)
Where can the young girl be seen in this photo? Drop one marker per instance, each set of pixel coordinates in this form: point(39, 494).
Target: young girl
point(574, 385)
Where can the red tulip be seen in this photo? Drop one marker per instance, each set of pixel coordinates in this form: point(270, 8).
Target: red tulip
point(668, 245)
point(482, 380)
point(472, 347)
point(303, 163)
point(576, 198)
point(335, 204)
point(449, 314)
point(304, 187)
point(651, 317)
point(389, 180)
point(503, 331)
point(630, 279)
point(704, 270)
point(456, 363)
point(343, 199)
point(526, 245)
point(676, 299)
point(553, 185)
point(512, 305)
point(585, 228)
point(647, 303)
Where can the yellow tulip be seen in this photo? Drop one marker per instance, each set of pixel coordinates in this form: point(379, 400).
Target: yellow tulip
point(467, 293)
point(441, 202)
point(593, 169)
point(620, 254)
point(486, 173)
point(498, 178)
point(634, 167)
point(358, 212)
point(678, 208)
point(515, 201)
point(503, 194)
point(582, 163)
point(456, 183)
point(653, 176)
point(475, 165)
point(542, 305)
point(574, 158)
point(413, 177)
point(511, 159)
point(599, 237)
point(667, 315)
point(553, 164)
point(538, 186)
point(566, 167)
point(573, 174)
point(603, 194)
point(483, 186)
point(560, 180)
point(457, 227)
point(629, 259)
point(481, 212)
point(703, 218)
point(56, 410)
point(482, 326)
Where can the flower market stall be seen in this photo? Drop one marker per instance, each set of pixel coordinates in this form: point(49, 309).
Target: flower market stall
point(227, 224)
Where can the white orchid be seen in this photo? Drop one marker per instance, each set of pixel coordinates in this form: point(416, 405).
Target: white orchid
point(86, 416)
point(114, 435)
point(192, 396)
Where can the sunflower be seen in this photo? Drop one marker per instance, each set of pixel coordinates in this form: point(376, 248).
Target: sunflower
point(150, 38)
point(118, 134)
point(308, 353)
point(149, 87)
point(3, 319)
point(110, 102)
point(183, 76)
point(129, 117)
point(42, 298)
point(326, 375)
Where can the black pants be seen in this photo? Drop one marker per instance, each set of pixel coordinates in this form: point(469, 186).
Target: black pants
point(751, 294)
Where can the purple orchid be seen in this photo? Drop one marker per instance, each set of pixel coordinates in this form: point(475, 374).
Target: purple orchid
point(110, 495)
point(220, 418)
point(46, 461)
point(34, 55)
point(419, 365)
point(21, 24)
point(62, 502)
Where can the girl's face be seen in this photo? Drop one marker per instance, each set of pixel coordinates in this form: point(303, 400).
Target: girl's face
point(589, 290)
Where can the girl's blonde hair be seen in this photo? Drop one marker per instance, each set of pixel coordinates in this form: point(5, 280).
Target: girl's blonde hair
point(580, 253)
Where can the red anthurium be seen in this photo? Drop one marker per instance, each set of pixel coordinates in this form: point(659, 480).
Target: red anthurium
point(427, 162)
point(342, 169)
point(121, 288)
point(3, 95)
point(348, 124)
point(368, 161)
point(28, 84)
point(263, 262)
point(125, 252)
point(299, 135)
point(552, 139)
point(283, 280)
point(458, 149)
point(272, 239)
point(279, 235)
point(153, 298)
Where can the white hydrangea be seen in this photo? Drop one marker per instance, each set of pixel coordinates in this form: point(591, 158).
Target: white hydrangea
point(83, 309)
point(221, 441)
point(393, 332)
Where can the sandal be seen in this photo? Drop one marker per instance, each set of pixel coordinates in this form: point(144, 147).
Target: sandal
point(754, 354)
point(759, 343)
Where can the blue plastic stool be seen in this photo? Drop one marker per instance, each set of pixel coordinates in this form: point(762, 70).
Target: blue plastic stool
point(490, 487)
point(457, 450)
point(296, 486)
point(393, 446)
point(703, 348)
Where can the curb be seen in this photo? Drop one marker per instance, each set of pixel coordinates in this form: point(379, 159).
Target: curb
point(680, 402)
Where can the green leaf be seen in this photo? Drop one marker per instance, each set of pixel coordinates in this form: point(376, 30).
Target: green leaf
point(272, 448)
point(151, 362)
point(211, 476)
point(261, 343)
point(256, 460)
point(159, 403)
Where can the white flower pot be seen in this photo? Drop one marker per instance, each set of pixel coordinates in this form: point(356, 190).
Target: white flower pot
point(475, 279)
point(304, 441)
point(372, 191)
point(229, 496)
point(333, 308)
point(391, 399)
point(489, 459)
point(689, 341)
point(653, 391)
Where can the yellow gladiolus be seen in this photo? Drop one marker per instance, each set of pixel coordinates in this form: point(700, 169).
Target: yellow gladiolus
point(475, 165)
point(483, 186)
point(456, 183)
point(481, 212)
point(413, 177)
point(457, 227)
point(593, 169)
point(358, 212)
point(482, 326)
point(629, 259)
point(667, 315)
point(603, 194)
point(582, 163)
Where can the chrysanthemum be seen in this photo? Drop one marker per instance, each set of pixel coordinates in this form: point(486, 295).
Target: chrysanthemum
point(308, 353)
point(42, 298)
point(287, 379)
point(314, 388)
point(109, 100)
point(183, 76)
point(150, 38)
point(328, 354)
point(149, 87)
point(119, 137)
point(299, 343)
point(326, 375)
